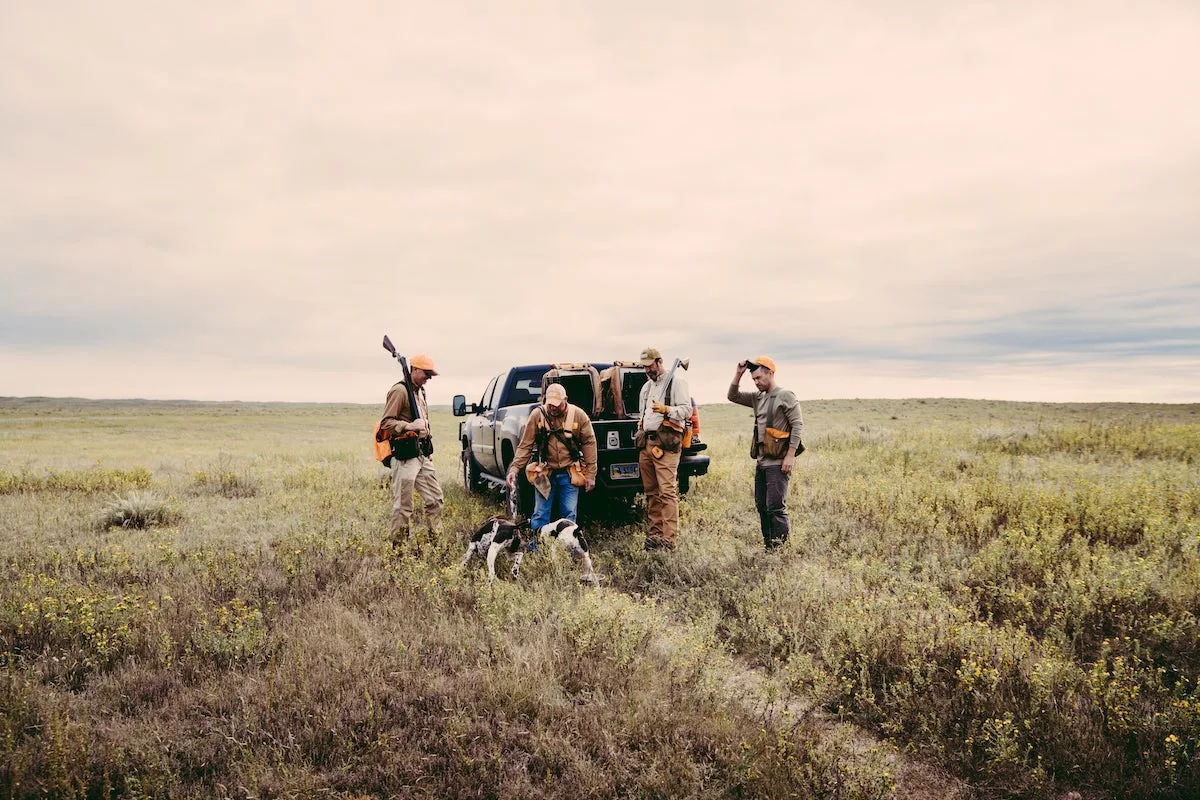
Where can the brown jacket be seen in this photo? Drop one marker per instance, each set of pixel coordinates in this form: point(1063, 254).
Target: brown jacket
point(557, 453)
point(397, 413)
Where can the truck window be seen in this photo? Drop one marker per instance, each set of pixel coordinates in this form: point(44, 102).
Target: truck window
point(485, 401)
point(631, 391)
point(526, 387)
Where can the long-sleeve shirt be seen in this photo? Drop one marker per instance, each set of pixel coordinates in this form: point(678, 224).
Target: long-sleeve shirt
point(785, 416)
point(396, 412)
point(575, 422)
point(654, 391)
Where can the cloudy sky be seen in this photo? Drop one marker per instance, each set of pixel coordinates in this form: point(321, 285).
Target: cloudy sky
point(236, 200)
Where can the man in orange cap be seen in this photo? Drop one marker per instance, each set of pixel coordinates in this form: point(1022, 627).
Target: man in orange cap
point(778, 427)
point(557, 436)
point(412, 451)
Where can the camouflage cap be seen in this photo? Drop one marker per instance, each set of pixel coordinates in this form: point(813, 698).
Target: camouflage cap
point(649, 356)
point(555, 394)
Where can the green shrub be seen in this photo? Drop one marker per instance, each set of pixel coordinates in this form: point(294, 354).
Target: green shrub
point(222, 479)
point(96, 479)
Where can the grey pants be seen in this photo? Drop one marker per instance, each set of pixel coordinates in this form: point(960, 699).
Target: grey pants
point(770, 497)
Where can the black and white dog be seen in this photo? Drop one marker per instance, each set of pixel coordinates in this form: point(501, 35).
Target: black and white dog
point(500, 534)
point(493, 536)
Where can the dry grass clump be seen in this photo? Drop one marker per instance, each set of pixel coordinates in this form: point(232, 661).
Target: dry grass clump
point(221, 478)
point(136, 510)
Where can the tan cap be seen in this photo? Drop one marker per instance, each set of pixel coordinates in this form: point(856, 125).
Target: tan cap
point(423, 362)
point(555, 394)
point(649, 356)
point(761, 361)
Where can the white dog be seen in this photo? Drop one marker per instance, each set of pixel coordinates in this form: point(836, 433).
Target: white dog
point(568, 534)
point(498, 533)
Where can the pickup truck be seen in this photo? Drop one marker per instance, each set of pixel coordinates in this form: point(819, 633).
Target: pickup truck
point(608, 392)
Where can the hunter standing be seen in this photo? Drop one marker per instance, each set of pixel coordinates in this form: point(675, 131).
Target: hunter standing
point(778, 427)
point(664, 406)
point(412, 451)
point(559, 439)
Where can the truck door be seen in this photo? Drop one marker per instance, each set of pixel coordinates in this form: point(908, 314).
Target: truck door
point(483, 427)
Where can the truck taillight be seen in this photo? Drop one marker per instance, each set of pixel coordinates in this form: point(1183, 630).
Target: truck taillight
point(695, 422)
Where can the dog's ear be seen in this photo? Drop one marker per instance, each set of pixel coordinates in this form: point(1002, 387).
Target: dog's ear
point(483, 529)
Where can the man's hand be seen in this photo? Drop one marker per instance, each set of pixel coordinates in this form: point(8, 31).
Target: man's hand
point(416, 426)
point(741, 370)
point(788, 460)
point(659, 408)
point(511, 480)
point(589, 484)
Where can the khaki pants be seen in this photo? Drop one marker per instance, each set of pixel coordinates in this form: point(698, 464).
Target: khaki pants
point(661, 483)
point(409, 475)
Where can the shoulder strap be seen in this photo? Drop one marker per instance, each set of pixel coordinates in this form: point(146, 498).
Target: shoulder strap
point(404, 404)
point(571, 444)
point(770, 414)
point(541, 436)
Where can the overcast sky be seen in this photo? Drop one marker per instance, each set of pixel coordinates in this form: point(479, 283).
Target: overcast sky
point(236, 200)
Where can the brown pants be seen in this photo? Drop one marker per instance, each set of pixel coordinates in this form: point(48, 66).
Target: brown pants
point(415, 474)
point(661, 483)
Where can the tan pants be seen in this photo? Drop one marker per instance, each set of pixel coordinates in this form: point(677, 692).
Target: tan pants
point(415, 474)
point(661, 483)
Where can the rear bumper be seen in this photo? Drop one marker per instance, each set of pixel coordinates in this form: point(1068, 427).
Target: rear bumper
point(618, 471)
point(693, 465)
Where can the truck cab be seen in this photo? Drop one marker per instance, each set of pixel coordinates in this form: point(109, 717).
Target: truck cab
point(608, 392)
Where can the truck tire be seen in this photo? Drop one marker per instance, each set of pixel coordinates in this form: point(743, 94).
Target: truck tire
point(472, 480)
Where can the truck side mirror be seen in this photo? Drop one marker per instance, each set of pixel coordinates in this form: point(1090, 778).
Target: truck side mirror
point(460, 406)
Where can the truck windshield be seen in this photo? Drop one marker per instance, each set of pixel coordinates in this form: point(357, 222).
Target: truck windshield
point(526, 388)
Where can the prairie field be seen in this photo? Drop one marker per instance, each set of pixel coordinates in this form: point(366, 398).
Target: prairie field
point(978, 600)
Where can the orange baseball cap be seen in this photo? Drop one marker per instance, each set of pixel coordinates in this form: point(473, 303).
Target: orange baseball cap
point(424, 362)
point(761, 361)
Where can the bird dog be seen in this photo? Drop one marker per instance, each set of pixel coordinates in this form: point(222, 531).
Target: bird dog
point(498, 534)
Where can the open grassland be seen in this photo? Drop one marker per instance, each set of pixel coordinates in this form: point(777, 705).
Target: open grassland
point(978, 600)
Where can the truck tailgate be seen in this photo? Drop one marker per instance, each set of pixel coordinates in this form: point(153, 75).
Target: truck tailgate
point(616, 456)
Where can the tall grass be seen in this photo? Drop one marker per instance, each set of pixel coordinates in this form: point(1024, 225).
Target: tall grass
point(978, 599)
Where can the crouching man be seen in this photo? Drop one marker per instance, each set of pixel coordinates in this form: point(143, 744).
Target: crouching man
point(559, 448)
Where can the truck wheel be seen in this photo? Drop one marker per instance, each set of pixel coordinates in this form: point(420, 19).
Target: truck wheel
point(472, 481)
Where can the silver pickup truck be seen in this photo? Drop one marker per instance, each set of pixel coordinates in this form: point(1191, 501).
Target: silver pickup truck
point(607, 391)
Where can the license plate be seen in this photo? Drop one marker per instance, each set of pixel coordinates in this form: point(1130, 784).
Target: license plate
point(624, 472)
